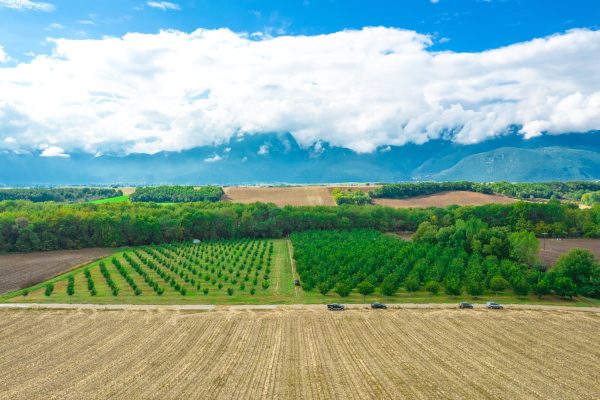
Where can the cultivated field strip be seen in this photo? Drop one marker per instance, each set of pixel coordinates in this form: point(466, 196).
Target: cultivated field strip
point(299, 354)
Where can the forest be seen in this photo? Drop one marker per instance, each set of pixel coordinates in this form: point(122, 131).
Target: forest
point(176, 194)
point(573, 190)
point(59, 195)
point(466, 257)
point(27, 226)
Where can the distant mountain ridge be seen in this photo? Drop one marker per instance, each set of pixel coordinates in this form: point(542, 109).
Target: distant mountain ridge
point(273, 158)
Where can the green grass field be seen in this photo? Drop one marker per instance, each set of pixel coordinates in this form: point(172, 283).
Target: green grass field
point(118, 199)
point(203, 273)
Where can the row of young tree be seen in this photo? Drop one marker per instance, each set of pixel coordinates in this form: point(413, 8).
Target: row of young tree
point(524, 190)
point(468, 257)
point(177, 194)
point(59, 195)
point(26, 226)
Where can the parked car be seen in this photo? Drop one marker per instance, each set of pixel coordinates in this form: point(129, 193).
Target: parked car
point(464, 304)
point(297, 282)
point(379, 305)
point(493, 305)
point(336, 307)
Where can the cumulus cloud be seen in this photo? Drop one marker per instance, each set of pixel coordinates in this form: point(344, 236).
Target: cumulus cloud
point(54, 151)
point(214, 158)
point(163, 5)
point(360, 89)
point(23, 5)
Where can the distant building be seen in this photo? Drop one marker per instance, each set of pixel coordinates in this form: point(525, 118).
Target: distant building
point(196, 241)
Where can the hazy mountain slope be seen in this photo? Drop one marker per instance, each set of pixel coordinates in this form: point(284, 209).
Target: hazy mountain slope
point(272, 158)
point(514, 164)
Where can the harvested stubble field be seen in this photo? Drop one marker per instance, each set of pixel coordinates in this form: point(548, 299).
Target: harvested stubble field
point(281, 196)
point(445, 199)
point(551, 249)
point(293, 354)
point(26, 269)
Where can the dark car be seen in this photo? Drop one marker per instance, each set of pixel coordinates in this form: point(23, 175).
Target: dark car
point(379, 306)
point(336, 307)
point(494, 306)
point(297, 282)
point(464, 304)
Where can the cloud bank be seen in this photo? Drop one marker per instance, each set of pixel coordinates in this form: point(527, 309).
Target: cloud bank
point(357, 89)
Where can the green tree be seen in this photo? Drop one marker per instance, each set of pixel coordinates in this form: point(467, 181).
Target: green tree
point(323, 288)
point(520, 286)
point(453, 286)
point(580, 266)
point(412, 283)
point(474, 286)
point(524, 247)
point(389, 286)
point(365, 288)
point(343, 289)
point(498, 283)
point(433, 287)
point(541, 288)
point(565, 287)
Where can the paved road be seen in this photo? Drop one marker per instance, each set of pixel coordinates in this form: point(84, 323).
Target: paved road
point(202, 307)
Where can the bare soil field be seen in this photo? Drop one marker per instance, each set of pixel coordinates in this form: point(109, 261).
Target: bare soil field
point(299, 354)
point(26, 269)
point(445, 199)
point(551, 249)
point(281, 196)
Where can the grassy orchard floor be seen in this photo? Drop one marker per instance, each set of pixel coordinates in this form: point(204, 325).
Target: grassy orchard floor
point(280, 291)
point(118, 199)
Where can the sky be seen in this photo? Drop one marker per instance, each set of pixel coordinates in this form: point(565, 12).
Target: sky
point(144, 76)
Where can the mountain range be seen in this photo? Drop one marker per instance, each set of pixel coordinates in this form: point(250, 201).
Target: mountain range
point(277, 158)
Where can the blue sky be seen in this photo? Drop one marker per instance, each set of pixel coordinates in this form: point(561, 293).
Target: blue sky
point(463, 25)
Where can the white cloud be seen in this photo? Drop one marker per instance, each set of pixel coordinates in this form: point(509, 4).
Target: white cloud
point(23, 5)
point(3, 56)
point(54, 151)
point(54, 26)
point(214, 158)
point(163, 5)
point(357, 89)
point(263, 150)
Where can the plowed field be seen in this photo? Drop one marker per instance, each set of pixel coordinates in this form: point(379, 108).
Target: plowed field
point(445, 199)
point(26, 269)
point(299, 354)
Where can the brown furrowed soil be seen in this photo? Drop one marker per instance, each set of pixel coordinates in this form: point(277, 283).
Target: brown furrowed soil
point(299, 354)
point(281, 196)
point(551, 249)
point(26, 269)
point(445, 199)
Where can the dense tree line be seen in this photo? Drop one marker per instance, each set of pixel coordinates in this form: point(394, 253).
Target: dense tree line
point(349, 196)
point(177, 194)
point(537, 190)
point(26, 226)
point(467, 257)
point(59, 195)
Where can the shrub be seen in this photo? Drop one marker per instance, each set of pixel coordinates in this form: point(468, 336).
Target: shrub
point(230, 291)
point(49, 289)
